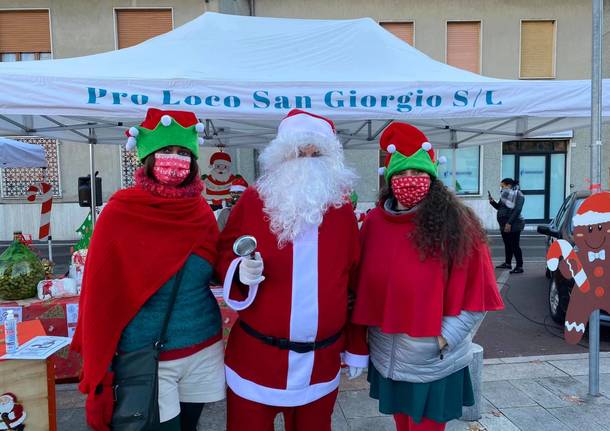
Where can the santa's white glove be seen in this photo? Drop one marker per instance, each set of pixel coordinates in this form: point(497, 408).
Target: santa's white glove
point(354, 372)
point(251, 270)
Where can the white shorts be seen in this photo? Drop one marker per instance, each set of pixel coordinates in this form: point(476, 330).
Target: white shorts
point(199, 378)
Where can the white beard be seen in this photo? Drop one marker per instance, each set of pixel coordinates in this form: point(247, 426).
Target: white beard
point(297, 192)
point(7, 406)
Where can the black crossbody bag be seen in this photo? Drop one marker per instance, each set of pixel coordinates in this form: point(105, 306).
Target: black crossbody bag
point(136, 381)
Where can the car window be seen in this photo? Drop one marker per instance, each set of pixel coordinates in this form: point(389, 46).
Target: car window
point(558, 220)
point(577, 205)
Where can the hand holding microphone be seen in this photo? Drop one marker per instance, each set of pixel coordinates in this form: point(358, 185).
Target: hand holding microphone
point(251, 270)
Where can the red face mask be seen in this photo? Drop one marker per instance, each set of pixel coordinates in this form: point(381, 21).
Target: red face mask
point(410, 190)
point(171, 169)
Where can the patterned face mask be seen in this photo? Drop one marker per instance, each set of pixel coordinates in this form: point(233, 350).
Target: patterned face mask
point(171, 169)
point(410, 190)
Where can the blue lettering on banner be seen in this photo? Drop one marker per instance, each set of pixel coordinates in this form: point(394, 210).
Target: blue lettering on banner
point(347, 99)
point(96, 93)
point(261, 99)
point(167, 98)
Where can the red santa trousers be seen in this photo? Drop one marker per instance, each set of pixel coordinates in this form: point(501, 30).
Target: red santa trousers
point(246, 415)
point(406, 423)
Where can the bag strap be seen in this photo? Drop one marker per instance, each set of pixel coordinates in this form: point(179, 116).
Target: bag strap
point(170, 307)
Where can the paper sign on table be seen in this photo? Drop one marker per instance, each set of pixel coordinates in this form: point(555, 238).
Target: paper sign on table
point(40, 347)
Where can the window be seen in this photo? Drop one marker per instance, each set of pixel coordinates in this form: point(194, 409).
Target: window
point(25, 35)
point(134, 26)
point(402, 30)
point(129, 164)
point(537, 49)
point(15, 181)
point(464, 45)
point(467, 172)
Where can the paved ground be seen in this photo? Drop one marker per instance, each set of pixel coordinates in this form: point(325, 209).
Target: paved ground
point(537, 393)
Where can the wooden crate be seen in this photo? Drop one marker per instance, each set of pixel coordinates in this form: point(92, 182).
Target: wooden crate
point(33, 383)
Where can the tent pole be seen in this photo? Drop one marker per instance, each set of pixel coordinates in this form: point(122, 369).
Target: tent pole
point(595, 172)
point(92, 140)
point(453, 160)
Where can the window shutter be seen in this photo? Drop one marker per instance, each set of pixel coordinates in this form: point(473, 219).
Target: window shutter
point(402, 30)
point(464, 45)
point(537, 49)
point(137, 25)
point(25, 31)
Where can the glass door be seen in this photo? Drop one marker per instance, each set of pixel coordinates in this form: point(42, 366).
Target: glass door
point(532, 179)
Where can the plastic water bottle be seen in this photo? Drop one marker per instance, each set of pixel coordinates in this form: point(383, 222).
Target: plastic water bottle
point(10, 332)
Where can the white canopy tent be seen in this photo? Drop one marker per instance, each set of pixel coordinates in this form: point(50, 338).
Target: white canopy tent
point(16, 154)
point(242, 74)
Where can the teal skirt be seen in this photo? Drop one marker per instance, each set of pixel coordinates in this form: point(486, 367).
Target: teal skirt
point(441, 400)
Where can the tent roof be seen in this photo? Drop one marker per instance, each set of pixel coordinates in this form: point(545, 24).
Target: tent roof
point(243, 74)
point(16, 154)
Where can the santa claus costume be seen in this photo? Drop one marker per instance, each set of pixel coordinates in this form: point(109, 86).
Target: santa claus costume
point(144, 237)
point(425, 280)
point(218, 182)
point(284, 352)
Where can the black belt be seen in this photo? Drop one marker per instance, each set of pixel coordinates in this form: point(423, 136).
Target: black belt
point(286, 344)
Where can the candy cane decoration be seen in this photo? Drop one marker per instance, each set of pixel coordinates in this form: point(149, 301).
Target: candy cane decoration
point(46, 197)
point(562, 248)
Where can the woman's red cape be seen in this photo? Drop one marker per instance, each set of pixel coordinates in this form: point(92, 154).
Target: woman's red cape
point(140, 241)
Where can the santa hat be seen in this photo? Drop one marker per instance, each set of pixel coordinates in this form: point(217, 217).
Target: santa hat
point(407, 148)
point(220, 155)
point(162, 129)
point(299, 122)
point(594, 210)
point(239, 185)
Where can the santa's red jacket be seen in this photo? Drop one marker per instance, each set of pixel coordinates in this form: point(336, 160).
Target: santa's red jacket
point(303, 298)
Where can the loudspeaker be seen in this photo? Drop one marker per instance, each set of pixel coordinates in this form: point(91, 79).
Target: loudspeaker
point(84, 191)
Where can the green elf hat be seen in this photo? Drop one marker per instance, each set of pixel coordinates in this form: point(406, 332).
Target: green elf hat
point(407, 148)
point(162, 129)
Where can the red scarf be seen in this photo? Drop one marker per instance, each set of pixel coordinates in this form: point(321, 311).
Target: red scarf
point(402, 294)
point(140, 241)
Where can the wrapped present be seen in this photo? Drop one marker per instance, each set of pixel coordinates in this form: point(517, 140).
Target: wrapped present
point(58, 288)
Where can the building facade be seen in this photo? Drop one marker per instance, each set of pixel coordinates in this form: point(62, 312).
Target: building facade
point(518, 39)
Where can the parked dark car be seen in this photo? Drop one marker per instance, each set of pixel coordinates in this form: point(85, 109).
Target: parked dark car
point(561, 227)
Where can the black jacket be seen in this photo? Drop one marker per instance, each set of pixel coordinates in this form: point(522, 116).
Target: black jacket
point(510, 216)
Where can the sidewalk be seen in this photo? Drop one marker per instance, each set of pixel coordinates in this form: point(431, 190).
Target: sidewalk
point(535, 393)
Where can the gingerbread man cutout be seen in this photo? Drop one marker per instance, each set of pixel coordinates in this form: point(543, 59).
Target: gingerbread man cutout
point(586, 263)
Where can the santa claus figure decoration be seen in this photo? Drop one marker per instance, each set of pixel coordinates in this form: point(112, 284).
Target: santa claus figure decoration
point(586, 263)
point(12, 415)
point(218, 181)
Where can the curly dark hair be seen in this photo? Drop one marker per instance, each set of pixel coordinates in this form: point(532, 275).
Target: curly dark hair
point(444, 226)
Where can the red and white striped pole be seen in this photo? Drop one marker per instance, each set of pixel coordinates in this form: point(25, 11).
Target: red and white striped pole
point(43, 192)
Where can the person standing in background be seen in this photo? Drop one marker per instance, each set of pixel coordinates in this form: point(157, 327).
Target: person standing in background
point(511, 222)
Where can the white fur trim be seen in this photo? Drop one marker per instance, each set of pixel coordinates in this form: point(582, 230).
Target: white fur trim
point(166, 120)
point(442, 160)
point(237, 189)
point(304, 306)
point(391, 148)
point(199, 127)
point(200, 141)
point(381, 170)
point(353, 360)
point(279, 397)
point(426, 146)
point(591, 217)
point(133, 131)
point(228, 283)
point(305, 124)
point(579, 327)
point(131, 143)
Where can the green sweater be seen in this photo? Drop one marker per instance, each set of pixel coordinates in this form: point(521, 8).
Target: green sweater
point(195, 317)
